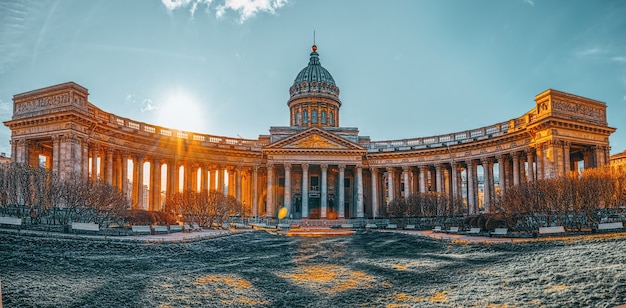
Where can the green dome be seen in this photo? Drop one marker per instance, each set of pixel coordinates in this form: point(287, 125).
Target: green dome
point(314, 79)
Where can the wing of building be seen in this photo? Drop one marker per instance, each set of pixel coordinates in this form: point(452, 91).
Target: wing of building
point(314, 167)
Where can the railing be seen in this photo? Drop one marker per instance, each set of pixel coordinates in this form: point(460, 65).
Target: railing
point(448, 139)
point(161, 131)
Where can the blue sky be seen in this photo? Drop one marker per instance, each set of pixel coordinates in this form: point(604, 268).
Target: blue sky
point(405, 68)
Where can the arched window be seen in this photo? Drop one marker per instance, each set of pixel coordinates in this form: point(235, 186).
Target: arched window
point(297, 117)
point(323, 116)
point(332, 119)
point(314, 116)
point(305, 116)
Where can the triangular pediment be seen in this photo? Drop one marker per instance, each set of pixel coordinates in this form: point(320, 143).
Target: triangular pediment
point(315, 139)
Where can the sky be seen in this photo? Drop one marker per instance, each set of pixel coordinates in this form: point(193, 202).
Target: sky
point(405, 68)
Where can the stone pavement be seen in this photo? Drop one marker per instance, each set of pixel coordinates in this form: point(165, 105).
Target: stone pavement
point(171, 237)
point(462, 237)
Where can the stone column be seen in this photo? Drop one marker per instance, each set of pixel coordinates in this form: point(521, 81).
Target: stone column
point(194, 177)
point(221, 185)
point(390, 186)
point(238, 183)
point(324, 196)
point(14, 146)
point(359, 192)
point(133, 185)
point(488, 174)
point(454, 175)
point(270, 191)
point(287, 196)
point(155, 187)
point(255, 193)
point(516, 172)
point(501, 174)
point(423, 181)
point(204, 178)
point(305, 190)
point(567, 164)
point(439, 178)
point(84, 160)
point(124, 182)
point(374, 173)
point(341, 192)
point(175, 177)
point(540, 162)
point(405, 175)
point(471, 188)
point(139, 182)
point(109, 172)
point(56, 148)
point(459, 183)
point(94, 163)
point(530, 170)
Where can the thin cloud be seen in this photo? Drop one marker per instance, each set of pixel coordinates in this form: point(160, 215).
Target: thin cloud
point(246, 9)
point(593, 51)
point(619, 59)
point(529, 2)
point(148, 105)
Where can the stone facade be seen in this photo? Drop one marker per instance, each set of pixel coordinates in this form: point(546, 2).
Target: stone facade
point(313, 167)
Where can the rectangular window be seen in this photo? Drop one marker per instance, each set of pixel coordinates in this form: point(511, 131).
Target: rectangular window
point(281, 182)
point(305, 116)
point(314, 116)
point(346, 183)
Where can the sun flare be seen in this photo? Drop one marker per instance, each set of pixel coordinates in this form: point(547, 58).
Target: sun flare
point(179, 109)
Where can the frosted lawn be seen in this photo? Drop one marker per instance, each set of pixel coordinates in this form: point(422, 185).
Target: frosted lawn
point(262, 270)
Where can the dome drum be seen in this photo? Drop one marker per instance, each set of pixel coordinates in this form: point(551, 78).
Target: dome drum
point(314, 96)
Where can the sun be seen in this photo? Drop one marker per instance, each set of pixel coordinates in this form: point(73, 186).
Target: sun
point(179, 109)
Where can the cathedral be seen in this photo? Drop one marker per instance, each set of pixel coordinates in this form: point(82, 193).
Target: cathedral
point(315, 168)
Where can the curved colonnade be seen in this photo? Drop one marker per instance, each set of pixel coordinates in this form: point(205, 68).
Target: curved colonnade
point(310, 170)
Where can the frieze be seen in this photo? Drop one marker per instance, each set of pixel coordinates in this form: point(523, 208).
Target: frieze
point(592, 112)
point(48, 102)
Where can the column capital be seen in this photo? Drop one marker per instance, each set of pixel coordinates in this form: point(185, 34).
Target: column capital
point(373, 169)
point(287, 166)
point(324, 166)
point(305, 166)
point(486, 160)
point(406, 168)
point(359, 166)
point(566, 144)
point(390, 169)
point(342, 166)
